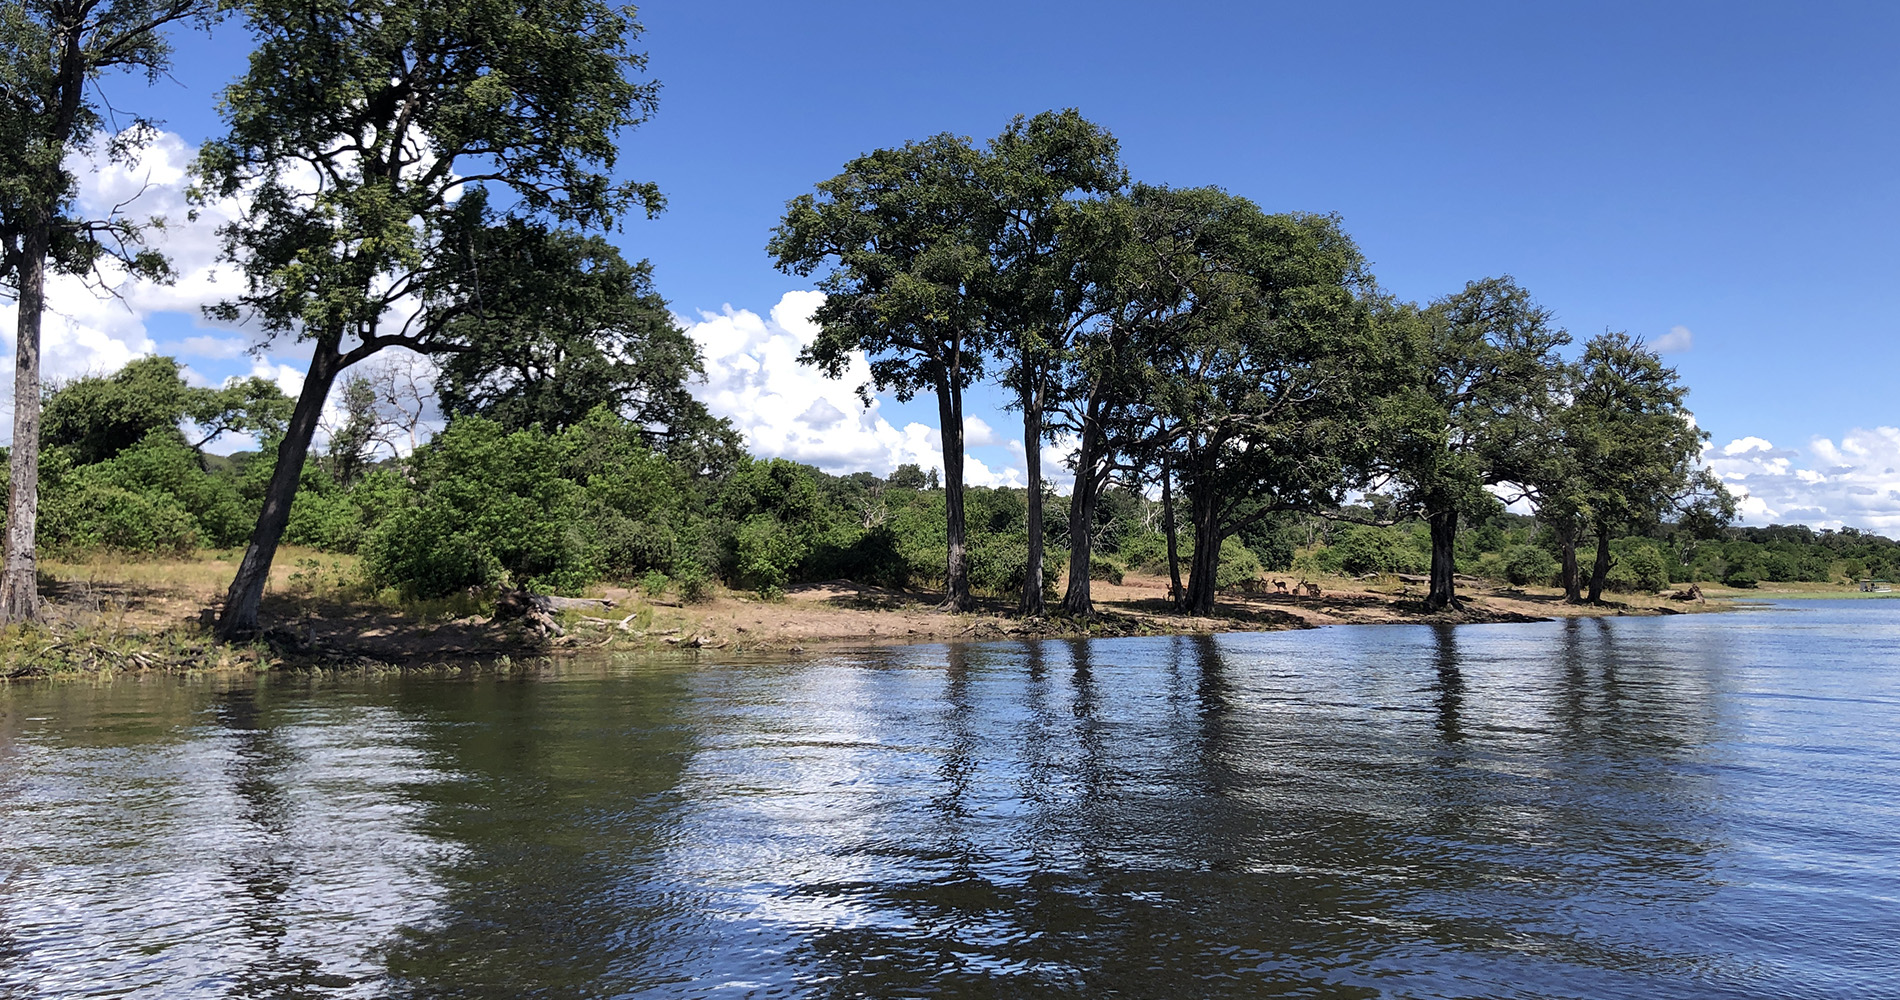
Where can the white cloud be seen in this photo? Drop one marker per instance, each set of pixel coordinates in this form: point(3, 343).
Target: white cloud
point(93, 327)
point(212, 347)
point(789, 410)
point(978, 433)
point(1678, 339)
point(1855, 482)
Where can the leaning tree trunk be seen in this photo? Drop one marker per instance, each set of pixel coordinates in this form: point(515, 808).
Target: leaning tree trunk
point(1204, 565)
point(247, 589)
point(1573, 585)
point(19, 586)
point(1443, 592)
point(1175, 594)
point(1078, 599)
point(1601, 571)
point(956, 590)
point(1032, 603)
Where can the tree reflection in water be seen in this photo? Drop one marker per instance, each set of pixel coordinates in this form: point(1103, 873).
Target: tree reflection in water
point(1556, 810)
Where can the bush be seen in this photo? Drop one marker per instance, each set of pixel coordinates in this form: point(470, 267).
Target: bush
point(1104, 569)
point(490, 507)
point(1358, 549)
point(87, 514)
point(765, 553)
point(1641, 569)
point(1528, 564)
point(1238, 564)
point(872, 557)
point(998, 564)
point(1741, 578)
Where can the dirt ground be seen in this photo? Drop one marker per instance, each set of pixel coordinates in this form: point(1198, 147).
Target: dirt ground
point(313, 617)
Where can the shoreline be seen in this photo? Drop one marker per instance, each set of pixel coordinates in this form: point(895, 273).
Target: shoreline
point(109, 629)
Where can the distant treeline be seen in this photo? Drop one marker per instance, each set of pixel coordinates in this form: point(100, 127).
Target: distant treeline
point(481, 504)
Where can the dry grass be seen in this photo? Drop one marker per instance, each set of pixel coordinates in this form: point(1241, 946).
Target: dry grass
point(204, 576)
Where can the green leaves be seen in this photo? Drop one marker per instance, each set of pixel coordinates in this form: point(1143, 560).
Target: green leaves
point(362, 123)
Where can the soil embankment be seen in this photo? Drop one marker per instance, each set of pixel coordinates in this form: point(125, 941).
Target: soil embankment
point(157, 623)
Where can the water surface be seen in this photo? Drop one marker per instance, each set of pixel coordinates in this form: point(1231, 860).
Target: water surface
point(1701, 806)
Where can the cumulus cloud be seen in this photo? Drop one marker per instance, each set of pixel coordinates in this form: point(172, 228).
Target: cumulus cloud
point(790, 410)
point(1678, 339)
point(94, 325)
point(1853, 482)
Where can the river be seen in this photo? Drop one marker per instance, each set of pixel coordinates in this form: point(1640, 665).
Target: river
point(1696, 806)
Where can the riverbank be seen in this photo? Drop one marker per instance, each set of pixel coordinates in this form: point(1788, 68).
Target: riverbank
point(106, 615)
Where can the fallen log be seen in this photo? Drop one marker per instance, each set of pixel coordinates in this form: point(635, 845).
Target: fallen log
point(539, 609)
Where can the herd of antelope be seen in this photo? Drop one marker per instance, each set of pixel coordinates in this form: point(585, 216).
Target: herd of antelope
point(1300, 589)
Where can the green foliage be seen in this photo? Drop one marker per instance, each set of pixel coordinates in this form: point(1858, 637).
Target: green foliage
point(1638, 568)
point(1358, 549)
point(152, 496)
point(1238, 564)
point(1105, 569)
point(98, 417)
point(490, 507)
point(1528, 564)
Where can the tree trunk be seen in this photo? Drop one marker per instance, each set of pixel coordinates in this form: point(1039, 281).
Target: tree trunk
point(1204, 567)
point(1443, 590)
point(956, 590)
point(19, 586)
point(1573, 585)
point(1600, 571)
point(1032, 603)
point(19, 577)
point(1175, 594)
point(247, 588)
point(1078, 599)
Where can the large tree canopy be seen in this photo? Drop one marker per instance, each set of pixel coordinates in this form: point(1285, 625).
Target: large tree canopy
point(1259, 359)
point(377, 141)
point(1042, 179)
point(1469, 360)
point(1635, 446)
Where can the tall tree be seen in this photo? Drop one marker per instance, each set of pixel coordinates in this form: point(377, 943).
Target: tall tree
point(1474, 357)
point(1635, 446)
point(905, 233)
point(53, 54)
point(383, 144)
point(565, 324)
point(1038, 175)
point(1264, 364)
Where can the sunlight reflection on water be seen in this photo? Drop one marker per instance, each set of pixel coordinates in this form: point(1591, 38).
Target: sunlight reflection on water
point(1694, 807)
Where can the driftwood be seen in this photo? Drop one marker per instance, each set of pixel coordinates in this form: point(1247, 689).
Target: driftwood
point(538, 609)
point(1694, 593)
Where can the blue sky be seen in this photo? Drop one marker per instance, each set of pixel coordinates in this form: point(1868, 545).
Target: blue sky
point(1727, 171)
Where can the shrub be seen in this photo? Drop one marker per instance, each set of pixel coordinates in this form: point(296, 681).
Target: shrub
point(1238, 564)
point(1641, 568)
point(87, 514)
point(872, 557)
point(1104, 569)
point(1526, 564)
point(1741, 577)
point(998, 564)
point(765, 553)
point(490, 507)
